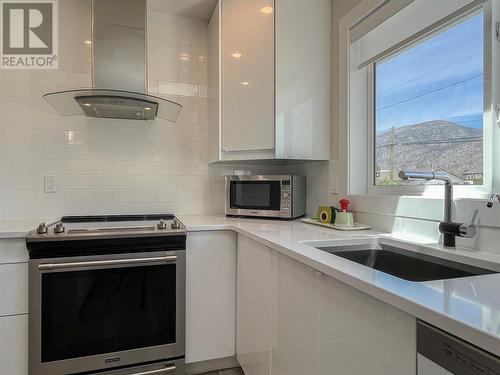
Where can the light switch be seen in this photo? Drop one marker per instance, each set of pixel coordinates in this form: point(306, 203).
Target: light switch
point(334, 184)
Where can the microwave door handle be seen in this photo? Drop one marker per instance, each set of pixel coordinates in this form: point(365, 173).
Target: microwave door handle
point(112, 262)
point(166, 370)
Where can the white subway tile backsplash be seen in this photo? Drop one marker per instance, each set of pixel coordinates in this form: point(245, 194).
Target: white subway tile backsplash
point(88, 196)
point(134, 195)
point(156, 182)
point(167, 168)
point(134, 167)
point(194, 182)
point(157, 208)
point(111, 182)
point(162, 154)
point(6, 166)
point(166, 195)
point(114, 208)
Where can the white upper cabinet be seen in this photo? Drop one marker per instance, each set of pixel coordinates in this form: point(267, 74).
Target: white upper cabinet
point(247, 73)
point(303, 79)
point(269, 80)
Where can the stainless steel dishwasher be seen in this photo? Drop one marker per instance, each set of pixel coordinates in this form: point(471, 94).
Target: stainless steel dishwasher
point(440, 353)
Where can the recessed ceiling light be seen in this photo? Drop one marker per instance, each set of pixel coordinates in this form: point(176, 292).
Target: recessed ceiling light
point(147, 109)
point(237, 55)
point(87, 104)
point(245, 83)
point(267, 10)
point(185, 57)
point(88, 42)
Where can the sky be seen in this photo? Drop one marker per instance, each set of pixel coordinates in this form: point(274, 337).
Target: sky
point(440, 78)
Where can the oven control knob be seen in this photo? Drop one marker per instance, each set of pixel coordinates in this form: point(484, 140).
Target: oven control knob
point(161, 225)
point(42, 229)
point(59, 228)
point(175, 224)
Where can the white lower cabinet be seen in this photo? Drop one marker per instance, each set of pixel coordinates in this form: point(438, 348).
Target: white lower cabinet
point(254, 307)
point(359, 334)
point(13, 307)
point(294, 320)
point(14, 345)
point(210, 295)
point(14, 290)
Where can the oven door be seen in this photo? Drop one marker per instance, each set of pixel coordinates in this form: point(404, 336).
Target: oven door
point(99, 312)
point(254, 197)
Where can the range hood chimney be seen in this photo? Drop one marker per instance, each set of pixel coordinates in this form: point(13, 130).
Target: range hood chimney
point(119, 70)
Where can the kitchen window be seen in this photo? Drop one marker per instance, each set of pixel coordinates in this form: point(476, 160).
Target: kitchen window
point(420, 96)
point(429, 102)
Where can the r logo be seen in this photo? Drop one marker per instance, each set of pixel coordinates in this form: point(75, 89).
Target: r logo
point(29, 29)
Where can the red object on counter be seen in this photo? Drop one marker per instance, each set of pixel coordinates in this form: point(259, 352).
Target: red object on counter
point(344, 204)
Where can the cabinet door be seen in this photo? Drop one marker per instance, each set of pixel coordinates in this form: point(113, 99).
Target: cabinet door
point(295, 331)
point(14, 345)
point(303, 79)
point(253, 309)
point(247, 74)
point(210, 295)
point(359, 334)
point(14, 289)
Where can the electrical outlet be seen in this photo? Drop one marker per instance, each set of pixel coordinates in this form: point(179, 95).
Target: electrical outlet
point(50, 184)
point(334, 184)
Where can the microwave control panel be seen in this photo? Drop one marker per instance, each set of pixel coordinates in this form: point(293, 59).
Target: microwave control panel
point(286, 195)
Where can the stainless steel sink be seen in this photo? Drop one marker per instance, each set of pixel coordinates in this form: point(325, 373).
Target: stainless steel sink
point(405, 264)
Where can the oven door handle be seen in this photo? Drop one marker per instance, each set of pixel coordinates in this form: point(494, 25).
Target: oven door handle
point(112, 262)
point(166, 370)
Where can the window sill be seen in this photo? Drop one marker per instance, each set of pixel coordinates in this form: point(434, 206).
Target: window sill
point(432, 192)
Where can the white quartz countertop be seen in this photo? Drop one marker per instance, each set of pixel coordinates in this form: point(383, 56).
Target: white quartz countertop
point(467, 307)
point(17, 228)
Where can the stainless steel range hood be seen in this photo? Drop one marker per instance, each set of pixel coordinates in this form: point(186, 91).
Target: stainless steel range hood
point(119, 70)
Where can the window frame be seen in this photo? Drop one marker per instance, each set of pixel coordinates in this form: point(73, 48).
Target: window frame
point(471, 191)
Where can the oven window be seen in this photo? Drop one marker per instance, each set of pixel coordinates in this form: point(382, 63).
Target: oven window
point(107, 310)
point(255, 195)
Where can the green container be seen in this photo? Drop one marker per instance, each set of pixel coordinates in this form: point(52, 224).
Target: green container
point(326, 214)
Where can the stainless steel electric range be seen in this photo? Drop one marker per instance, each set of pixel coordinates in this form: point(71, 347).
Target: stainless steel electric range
point(107, 295)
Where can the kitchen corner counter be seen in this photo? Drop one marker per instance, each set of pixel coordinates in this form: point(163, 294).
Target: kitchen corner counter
point(468, 308)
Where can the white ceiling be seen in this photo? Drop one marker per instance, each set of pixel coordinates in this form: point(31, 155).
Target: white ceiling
point(199, 9)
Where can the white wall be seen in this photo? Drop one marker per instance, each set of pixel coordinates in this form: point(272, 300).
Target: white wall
point(110, 166)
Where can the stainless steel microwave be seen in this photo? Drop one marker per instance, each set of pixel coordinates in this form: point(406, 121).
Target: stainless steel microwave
point(266, 196)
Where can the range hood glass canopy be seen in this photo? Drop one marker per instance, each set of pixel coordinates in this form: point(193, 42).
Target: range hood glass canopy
point(118, 104)
point(119, 69)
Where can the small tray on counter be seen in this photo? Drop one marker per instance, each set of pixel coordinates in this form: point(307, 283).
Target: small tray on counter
point(357, 226)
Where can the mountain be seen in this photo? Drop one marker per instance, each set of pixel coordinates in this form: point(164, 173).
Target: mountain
point(433, 145)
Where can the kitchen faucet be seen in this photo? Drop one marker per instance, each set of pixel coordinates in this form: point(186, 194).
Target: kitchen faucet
point(450, 229)
point(492, 199)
